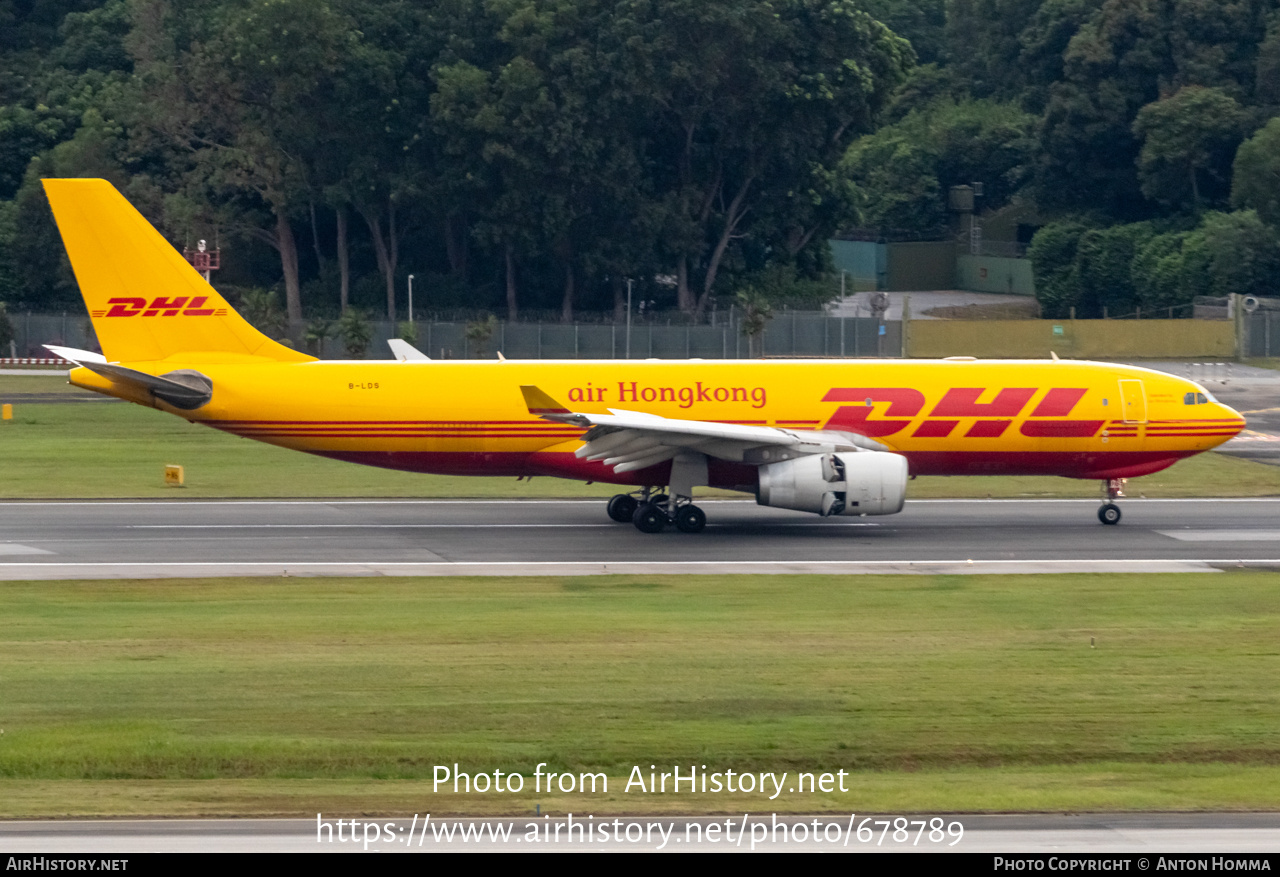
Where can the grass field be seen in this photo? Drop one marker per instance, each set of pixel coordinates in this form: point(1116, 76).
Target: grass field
point(952, 693)
point(113, 449)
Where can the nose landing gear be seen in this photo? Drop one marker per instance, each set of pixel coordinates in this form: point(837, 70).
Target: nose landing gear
point(1112, 489)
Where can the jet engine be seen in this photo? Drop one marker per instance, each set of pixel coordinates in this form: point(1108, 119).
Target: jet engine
point(861, 483)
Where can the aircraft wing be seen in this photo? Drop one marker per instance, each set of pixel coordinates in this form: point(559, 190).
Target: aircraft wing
point(627, 441)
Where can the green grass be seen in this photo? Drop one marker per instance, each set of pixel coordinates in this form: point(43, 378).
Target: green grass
point(955, 693)
point(114, 449)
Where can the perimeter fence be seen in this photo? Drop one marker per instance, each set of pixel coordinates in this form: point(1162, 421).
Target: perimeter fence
point(789, 333)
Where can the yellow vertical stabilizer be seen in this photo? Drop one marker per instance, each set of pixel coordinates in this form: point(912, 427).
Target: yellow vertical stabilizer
point(146, 301)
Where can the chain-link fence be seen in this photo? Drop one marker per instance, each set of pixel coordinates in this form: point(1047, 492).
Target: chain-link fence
point(789, 333)
point(1261, 333)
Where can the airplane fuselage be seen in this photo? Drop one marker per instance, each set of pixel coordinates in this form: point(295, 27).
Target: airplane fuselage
point(948, 417)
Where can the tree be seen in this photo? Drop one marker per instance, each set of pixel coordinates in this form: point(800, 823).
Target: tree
point(1255, 178)
point(922, 22)
point(902, 172)
point(756, 314)
point(1044, 42)
point(742, 103)
point(1188, 141)
point(242, 86)
point(1126, 55)
point(538, 124)
point(984, 44)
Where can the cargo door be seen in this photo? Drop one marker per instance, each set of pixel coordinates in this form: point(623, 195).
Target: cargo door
point(1133, 401)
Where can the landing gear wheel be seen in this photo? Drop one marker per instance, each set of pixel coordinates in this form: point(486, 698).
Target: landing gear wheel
point(659, 499)
point(690, 519)
point(1109, 513)
point(649, 518)
point(622, 508)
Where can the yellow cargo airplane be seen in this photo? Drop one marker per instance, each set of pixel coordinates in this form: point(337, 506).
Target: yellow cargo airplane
point(830, 437)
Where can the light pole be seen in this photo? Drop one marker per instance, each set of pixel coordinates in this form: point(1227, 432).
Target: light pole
point(410, 299)
point(628, 318)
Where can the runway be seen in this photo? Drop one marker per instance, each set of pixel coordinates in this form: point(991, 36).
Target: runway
point(1180, 835)
point(56, 540)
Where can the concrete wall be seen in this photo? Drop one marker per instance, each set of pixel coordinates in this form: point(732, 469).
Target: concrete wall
point(864, 261)
point(921, 266)
point(1079, 339)
point(993, 274)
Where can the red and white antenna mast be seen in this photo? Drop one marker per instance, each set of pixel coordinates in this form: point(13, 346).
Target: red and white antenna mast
point(203, 259)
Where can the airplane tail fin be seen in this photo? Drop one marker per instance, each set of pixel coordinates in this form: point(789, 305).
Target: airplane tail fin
point(145, 300)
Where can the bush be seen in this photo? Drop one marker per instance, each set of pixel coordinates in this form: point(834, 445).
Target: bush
point(1104, 269)
point(1053, 265)
point(356, 332)
point(1159, 272)
point(479, 333)
point(261, 307)
point(318, 329)
point(7, 333)
point(1243, 254)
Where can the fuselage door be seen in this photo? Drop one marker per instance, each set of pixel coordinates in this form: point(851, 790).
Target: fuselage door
point(1133, 400)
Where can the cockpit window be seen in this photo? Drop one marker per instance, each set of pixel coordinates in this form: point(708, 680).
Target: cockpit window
point(1195, 399)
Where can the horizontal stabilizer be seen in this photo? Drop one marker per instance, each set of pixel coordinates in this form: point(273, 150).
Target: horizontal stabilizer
point(184, 388)
point(406, 352)
point(542, 405)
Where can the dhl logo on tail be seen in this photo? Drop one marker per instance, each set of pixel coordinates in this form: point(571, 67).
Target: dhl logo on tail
point(160, 306)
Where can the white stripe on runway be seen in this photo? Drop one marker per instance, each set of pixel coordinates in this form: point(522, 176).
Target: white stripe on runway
point(15, 548)
point(1222, 535)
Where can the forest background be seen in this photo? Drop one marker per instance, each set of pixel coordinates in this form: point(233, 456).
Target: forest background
point(528, 158)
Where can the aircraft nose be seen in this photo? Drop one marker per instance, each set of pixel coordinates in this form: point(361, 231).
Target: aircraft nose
point(1232, 420)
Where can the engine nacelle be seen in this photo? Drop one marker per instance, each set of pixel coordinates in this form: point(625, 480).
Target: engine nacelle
point(861, 483)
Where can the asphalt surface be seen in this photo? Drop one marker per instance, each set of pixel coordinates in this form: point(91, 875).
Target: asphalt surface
point(52, 540)
point(1153, 836)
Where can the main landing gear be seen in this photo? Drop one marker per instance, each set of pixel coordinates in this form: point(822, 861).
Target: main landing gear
point(1112, 489)
point(652, 514)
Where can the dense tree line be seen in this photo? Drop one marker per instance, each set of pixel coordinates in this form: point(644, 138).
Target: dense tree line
point(1140, 130)
point(533, 155)
point(511, 153)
